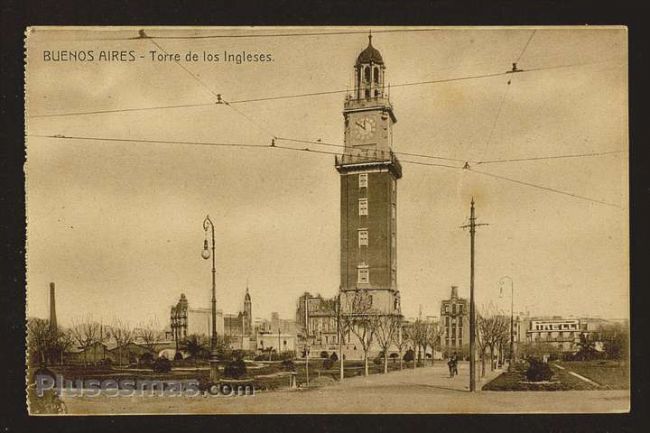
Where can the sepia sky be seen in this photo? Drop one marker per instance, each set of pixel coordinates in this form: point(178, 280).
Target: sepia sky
point(118, 225)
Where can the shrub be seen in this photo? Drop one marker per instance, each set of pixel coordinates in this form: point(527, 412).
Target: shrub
point(288, 365)
point(237, 354)
point(377, 360)
point(324, 354)
point(394, 356)
point(327, 364)
point(178, 356)
point(334, 357)
point(260, 358)
point(235, 369)
point(162, 365)
point(146, 358)
point(409, 355)
point(538, 371)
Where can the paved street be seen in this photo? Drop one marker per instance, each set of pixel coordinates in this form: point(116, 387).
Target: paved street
point(424, 390)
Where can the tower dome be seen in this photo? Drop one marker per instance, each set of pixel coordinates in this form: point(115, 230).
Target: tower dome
point(370, 54)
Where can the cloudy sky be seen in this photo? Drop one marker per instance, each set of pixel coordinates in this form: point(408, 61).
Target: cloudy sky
point(118, 225)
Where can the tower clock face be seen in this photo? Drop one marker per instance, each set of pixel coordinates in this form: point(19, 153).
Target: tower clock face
point(364, 128)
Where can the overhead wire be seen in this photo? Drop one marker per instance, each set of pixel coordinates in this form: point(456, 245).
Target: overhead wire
point(307, 150)
point(308, 94)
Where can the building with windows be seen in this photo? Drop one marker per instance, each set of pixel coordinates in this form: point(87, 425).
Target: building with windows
point(316, 323)
point(563, 334)
point(236, 329)
point(454, 318)
point(369, 171)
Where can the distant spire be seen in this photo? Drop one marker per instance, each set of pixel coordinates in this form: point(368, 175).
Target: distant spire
point(370, 37)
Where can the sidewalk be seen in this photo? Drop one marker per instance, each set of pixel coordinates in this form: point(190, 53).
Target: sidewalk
point(421, 390)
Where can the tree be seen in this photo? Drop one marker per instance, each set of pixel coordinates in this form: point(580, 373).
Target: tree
point(359, 318)
point(425, 334)
point(433, 338)
point(586, 348)
point(615, 341)
point(386, 330)
point(149, 334)
point(86, 333)
point(493, 327)
point(40, 339)
point(402, 342)
point(196, 347)
point(64, 342)
point(123, 335)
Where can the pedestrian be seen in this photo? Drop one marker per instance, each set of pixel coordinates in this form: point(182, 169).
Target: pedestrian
point(450, 364)
point(454, 359)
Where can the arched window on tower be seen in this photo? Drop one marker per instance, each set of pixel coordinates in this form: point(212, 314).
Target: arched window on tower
point(367, 74)
point(376, 74)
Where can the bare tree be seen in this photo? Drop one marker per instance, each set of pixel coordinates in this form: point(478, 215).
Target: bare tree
point(64, 342)
point(40, 341)
point(433, 338)
point(359, 319)
point(123, 335)
point(493, 327)
point(386, 331)
point(420, 334)
point(402, 341)
point(149, 334)
point(86, 333)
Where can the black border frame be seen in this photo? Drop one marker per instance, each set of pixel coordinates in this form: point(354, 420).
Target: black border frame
point(17, 15)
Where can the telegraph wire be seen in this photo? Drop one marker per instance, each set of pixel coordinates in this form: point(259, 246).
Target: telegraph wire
point(526, 46)
point(200, 81)
point(273, 145)
point(310, 94)
point(369, 158)
point(322, 143)
point(120, 110)
point(496, 118)
point(544, 188)
point(539, 158)
point(141, 35)
point(146, 141)
point(215, 94)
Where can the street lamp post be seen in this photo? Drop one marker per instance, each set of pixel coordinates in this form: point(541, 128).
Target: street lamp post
point(512, 304)
point(214, 371)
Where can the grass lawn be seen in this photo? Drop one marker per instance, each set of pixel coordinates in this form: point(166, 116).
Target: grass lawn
point(515, 380)
point(263, 375)
point(608, 374)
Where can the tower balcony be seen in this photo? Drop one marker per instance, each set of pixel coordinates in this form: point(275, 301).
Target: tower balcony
point(362, 159)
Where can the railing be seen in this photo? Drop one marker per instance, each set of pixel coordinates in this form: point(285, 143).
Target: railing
point(359, 156)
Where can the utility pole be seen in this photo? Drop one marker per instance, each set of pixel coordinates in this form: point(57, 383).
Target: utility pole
point(340, 337)
point(472, 310)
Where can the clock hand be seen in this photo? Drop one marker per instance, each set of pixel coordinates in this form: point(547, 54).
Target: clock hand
point(361, 126)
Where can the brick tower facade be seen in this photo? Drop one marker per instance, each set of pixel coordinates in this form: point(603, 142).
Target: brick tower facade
point(369, 171)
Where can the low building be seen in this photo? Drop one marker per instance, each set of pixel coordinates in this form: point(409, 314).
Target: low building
point(269, 341)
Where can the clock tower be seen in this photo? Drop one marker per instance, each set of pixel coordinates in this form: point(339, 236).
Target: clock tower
point(369, 171)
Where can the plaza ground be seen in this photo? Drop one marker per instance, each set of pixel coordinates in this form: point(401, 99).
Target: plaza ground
point(422, 390)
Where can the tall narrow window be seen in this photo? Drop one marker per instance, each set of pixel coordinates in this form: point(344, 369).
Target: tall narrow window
point(363, 275)
point(363, 206)
point(363, 180)
point(376, 74)
point(363, 237)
